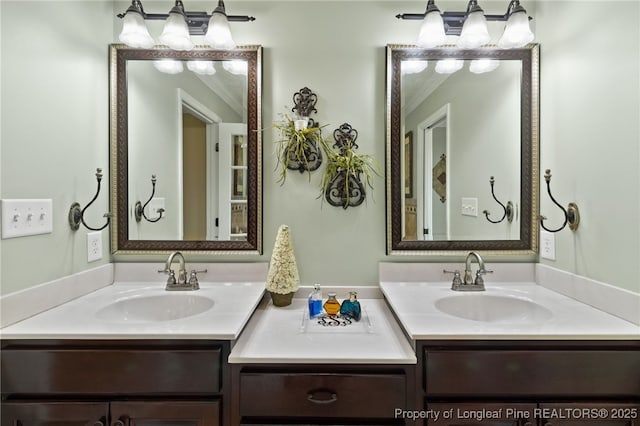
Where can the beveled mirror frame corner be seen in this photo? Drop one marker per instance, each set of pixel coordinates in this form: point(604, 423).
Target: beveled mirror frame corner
point(118, 151)
point(530, 146)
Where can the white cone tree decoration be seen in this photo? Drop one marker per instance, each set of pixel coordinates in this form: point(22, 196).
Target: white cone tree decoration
point(283, 278)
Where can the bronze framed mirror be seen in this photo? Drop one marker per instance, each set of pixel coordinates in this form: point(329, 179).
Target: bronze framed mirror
point(186, 150)
point(473, 117)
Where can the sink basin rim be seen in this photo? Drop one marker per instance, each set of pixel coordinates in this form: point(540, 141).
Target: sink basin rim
point(153, 308)
point(492, 308)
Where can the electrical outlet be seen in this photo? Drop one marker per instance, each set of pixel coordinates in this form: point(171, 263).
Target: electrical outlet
point(94, 246)
point(469, 207)
point(547, 245)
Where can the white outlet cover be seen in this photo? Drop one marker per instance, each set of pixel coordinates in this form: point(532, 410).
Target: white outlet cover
point(547, 245)
point(94, 246)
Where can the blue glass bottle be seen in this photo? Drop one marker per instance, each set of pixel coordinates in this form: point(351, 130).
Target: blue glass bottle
point(315, 301)
point(351, 306)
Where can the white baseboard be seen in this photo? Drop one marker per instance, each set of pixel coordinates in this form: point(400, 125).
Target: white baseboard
point(26, 303)
point(616, 301)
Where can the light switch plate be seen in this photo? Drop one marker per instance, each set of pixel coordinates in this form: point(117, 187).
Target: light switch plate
point(22, 217)
point(469, 206)
point(547, 245)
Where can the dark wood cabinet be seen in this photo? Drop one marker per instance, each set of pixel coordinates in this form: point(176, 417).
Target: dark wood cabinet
point(44, 413)
point(323, 394)
point(124, 413)
point(530, 383)
point(115, 383)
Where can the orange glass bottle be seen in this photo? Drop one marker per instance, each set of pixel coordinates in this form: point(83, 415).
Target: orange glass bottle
point(331, 306)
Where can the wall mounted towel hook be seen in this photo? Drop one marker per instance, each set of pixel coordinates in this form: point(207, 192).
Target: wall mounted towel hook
point(138, 210)
point(571, 213)
point(508, 209)
point(76, 213)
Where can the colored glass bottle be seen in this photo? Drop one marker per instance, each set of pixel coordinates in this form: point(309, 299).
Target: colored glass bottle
point(315, 301)
point(351, 307)
point(331, 306)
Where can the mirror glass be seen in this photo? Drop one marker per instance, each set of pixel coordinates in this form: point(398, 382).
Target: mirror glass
point(186, 149)
point(461, 149)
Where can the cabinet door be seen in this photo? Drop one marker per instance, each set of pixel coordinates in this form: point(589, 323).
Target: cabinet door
point(490, 414)
point(596, 414)
point(165, 413)
point(54, 413)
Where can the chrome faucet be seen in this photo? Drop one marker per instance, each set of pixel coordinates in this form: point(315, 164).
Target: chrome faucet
point(468, 283)
point(181, 283)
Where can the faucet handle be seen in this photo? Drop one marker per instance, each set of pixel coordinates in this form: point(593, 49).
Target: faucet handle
point(193, 278)
point(479, 280)
point(172, 277)
point(457, 281)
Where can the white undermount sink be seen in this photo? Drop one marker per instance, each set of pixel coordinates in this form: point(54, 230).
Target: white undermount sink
point(492, 308)
point(155, 308)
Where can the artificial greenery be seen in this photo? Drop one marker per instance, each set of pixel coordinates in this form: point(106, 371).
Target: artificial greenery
point(347, 161)
point(294, 145)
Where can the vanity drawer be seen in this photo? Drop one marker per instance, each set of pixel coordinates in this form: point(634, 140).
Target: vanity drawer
point(321, 395)
point(111, 371)
point(588, 373)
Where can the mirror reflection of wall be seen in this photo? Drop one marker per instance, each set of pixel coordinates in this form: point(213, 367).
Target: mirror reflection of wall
point(466, 128)
point(175, 125)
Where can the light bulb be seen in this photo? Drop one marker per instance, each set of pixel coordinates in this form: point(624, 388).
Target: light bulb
point(168, 66)
point(134, 31)
point(480, 66)
point(517, 32)
point(219, 33)
point(201, 67)
point(237, 67)
point(449, 66)
point(474, 31)
point(413, 67)
point(432, 31)
point(176, 32)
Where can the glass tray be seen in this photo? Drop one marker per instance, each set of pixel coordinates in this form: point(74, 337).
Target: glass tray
point(324, 323)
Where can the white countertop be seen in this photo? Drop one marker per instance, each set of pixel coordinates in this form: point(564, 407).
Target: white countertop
point(286, 335)
point(415, 306)
point(233, 304)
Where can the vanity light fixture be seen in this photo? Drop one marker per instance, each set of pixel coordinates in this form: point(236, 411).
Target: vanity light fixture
point(179, 26)
point(168, 66)
point(471, 26)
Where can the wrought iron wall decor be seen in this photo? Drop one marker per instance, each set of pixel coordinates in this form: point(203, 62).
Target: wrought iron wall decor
point(341, 185)
point(138, 210)
point(76, 212)
point(508, 209)
point(301, 138)
point(571, 213)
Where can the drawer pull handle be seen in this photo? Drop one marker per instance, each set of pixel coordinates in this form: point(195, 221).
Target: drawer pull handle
point(314, 394)
point(121, 422)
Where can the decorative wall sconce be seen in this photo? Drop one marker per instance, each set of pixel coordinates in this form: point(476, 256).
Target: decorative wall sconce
point(76, 213)
point(178, 27)
point(300, 143)
point(305, 104)
point(471, 26)
point(571, 213)
point(138, 210)
point(341, 184)
point(508, 209)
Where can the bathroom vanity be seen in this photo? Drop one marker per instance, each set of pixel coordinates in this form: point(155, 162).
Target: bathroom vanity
point(132, 353)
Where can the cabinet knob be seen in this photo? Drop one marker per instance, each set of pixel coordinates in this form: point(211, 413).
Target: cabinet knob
point(315, 396)
point(122, 421)
point(98, 423)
